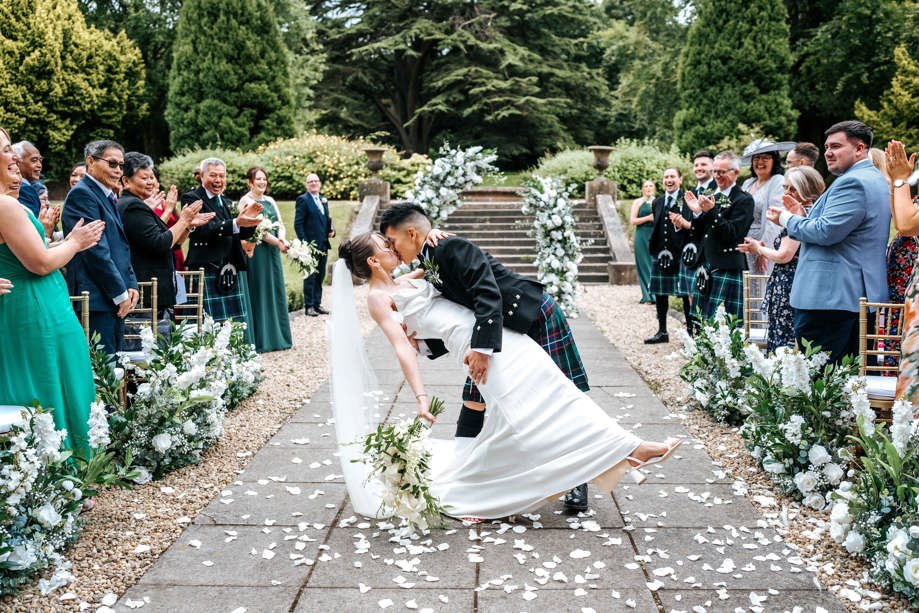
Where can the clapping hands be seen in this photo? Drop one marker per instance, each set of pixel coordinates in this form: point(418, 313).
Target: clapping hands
point(706, 203)
point(193, 217)
point(249, 215)
point(692, 202)
point(86, 235)
point(6, 286)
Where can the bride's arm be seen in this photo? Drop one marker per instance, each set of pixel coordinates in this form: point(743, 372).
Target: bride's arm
point(380, 307)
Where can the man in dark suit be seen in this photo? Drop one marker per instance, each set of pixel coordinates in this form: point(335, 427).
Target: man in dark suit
point(216, 247)
point(500, 298)
point(105, 270)
point(313, 223)
point(666, 246)
point(30, 165)
point(723, 223)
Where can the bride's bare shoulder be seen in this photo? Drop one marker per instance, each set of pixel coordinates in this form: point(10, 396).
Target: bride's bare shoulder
point(378, 297)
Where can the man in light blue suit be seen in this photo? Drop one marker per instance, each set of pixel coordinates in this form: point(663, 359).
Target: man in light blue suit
point(105, 270)
point(843, 244)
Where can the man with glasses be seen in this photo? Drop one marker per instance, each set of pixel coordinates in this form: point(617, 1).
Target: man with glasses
point(30, 165)
point(104, 270)
point(313, 222)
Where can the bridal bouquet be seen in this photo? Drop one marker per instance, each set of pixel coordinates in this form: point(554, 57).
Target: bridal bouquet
point(265, 227)
point(399, 457)
point(303, 256)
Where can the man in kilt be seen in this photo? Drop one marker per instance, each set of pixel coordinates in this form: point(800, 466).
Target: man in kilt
point(725, 220)
point(500, 298)
point(666, 246)
point(216, 247)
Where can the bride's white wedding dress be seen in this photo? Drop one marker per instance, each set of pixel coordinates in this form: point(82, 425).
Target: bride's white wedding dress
point(542, 436)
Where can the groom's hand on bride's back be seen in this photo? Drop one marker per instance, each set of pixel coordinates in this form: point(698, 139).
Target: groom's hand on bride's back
point(478, 366)
point(436, 235)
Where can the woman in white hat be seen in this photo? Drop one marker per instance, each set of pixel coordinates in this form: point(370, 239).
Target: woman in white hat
point(766, 185)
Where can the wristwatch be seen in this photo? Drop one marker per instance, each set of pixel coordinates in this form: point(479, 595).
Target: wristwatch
point(899, 183)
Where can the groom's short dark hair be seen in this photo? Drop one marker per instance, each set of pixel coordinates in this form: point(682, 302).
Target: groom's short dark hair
point(398, 215)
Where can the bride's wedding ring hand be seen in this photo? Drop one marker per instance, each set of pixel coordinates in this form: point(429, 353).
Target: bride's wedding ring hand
point(436, 235)
point(478, 366)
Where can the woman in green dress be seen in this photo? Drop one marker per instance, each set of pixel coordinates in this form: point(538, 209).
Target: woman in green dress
point(642, 217)
point(267, 290)
point(44, 355)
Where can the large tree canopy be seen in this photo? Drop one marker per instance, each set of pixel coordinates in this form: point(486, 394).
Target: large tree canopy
point(518, 76)
point(229, 83)
point(63, 83)
point(734, 71)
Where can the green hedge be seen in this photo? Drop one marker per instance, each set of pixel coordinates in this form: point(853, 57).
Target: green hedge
point(340, 163)
point(630, 164)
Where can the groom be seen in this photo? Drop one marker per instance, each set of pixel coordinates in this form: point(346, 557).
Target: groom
point(500, 298)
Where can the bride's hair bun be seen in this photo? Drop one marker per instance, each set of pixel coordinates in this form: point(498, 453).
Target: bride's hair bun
point(355, 253)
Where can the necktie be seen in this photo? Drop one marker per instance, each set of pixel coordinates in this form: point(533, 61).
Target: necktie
point(318, 205)
point(669, 201)
point(112, 199)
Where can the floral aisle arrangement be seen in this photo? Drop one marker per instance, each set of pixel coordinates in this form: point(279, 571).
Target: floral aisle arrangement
point(438, 186)
point(303, 256)
point(876, 516)
point(558, 248)
point(716, 368)
point(398, 456)
point(39, 502)
point(801, 413)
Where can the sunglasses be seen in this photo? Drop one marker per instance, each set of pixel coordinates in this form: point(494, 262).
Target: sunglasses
point(111, 163)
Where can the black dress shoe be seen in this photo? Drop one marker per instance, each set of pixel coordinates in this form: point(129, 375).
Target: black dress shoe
point(312, 312)
point(576, 499)
point(660, 337)
point(321, 311)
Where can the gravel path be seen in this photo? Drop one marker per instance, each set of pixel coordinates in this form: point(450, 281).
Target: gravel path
point(626, 324)
point(128, 529)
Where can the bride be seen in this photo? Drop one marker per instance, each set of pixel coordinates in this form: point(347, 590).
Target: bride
point(541, 436)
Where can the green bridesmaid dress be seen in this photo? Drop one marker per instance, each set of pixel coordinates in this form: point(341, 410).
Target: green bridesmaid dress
point(268, 293)
point(643, 253)
point(43, 351)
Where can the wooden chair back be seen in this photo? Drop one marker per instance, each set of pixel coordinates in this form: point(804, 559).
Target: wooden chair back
point(193, 309)
point(83, 301)
point(144, 314)
point(755, 323)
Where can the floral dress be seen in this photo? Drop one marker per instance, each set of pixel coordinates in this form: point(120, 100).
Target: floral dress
point(900, 257)
point(908, 381)
point(776, 305)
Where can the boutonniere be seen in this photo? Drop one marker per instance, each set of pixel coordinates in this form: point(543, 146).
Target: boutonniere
point(722, 200)
point(431, 271)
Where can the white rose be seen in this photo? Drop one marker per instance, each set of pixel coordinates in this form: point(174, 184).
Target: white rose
point(142, 475)
point(898, 545)
point(806, 481)
point(47, 516)
point(854, 542)
point(162, 442)
point(840, 513)
point(67, 484)
point(814, 501)
point(833, 472)
point(818, 455)
point(838, 531)
point(911, 571)
point(189, 428)
point(21, 558)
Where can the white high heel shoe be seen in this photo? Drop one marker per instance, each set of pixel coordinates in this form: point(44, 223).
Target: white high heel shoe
point(639, 477)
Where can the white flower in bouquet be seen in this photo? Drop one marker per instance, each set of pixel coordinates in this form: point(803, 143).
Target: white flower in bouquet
point(98, 426)
point(814, 501)
point(792, 429)
point(840, 513)
point(47, 516)
point(773, 467)
point(21, 558)
point(838, 532)
point(833, 472)
point(857, 391)
point(162, 442)
point(903, 425)
point(761, 364)
point(303, 255)
point(265, 227)
point(854, 542)
point(189, 428)
point(818, 455)
point(806, 481)
point(49, 440)
point(898, 543)
point(911, 572)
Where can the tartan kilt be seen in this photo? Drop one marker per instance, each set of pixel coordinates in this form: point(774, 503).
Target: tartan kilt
point(727, 288)
point(663, 284)
point(236, 306)
point(688, 282)
point(552, 333)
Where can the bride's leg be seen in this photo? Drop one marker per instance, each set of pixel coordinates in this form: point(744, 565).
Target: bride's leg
point(646, 450)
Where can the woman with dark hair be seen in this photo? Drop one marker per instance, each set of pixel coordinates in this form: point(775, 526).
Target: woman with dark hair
point(150, 240)
point(76, 173)
point(267, 290)
point(766, 184)
point(543, 435)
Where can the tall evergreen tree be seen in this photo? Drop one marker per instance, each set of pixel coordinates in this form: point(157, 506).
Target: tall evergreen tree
point(522, 77)
point(735, 70)
point(898, 115)
point(63, 83)
point(229, 84)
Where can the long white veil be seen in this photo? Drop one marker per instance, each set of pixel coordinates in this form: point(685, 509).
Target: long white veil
point(355, 395)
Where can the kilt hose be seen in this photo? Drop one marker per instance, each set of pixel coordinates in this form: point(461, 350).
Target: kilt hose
point(727, 289)
point(552, 333)
point(235, 306)
point(666, 284)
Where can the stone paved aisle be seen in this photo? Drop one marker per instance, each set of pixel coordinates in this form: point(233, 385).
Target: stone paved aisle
point(284, 537)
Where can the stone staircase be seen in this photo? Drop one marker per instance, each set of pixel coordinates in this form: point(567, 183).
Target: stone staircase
point(491, 218)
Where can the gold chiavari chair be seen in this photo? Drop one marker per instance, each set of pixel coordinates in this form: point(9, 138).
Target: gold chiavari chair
point(83, 301)
point(882, 349)
point(755, 323)
point(143, 315)
point(193, 309)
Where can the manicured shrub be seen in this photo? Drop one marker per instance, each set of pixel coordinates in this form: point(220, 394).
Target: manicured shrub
point(178, 170)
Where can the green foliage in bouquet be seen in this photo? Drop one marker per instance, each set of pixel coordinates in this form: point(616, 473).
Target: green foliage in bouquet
point(800, 418)
point(398, 457)
point(716, 368)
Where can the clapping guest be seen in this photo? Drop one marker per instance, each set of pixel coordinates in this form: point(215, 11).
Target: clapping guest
point(766, 185)
point(150, 240)
point(44, 354)
point(267, 290)
point(165, 205)
point(642, 217)
point(803, 185)
point(804, 154)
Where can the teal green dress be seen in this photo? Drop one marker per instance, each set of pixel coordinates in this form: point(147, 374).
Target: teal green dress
point(643, 253)
point(44, 355)
point(268, 293)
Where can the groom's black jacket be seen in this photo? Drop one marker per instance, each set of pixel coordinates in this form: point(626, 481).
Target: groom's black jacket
point(466, 275)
